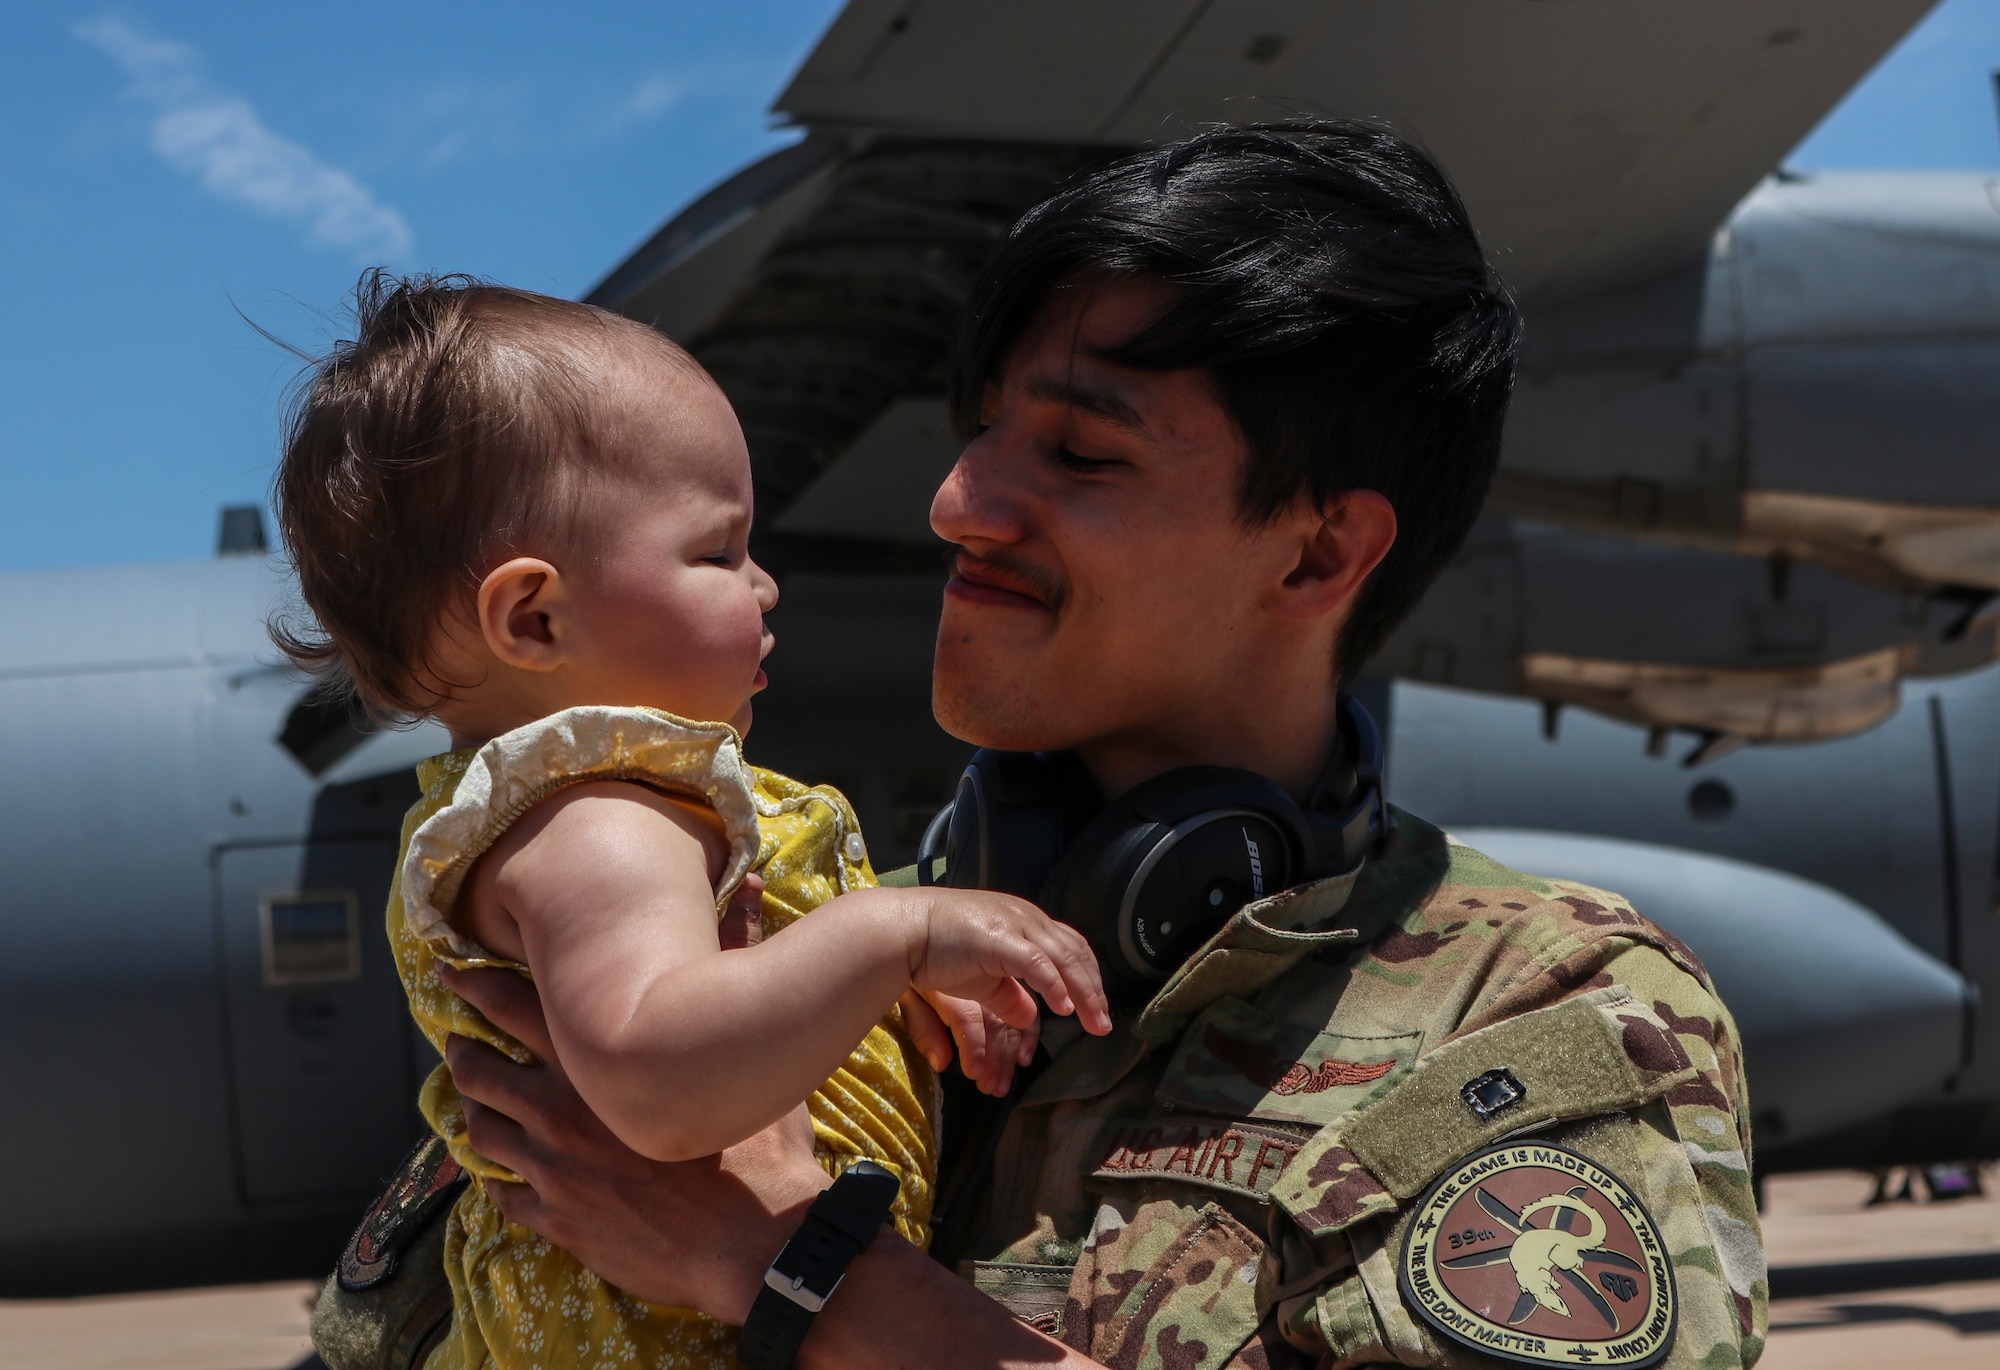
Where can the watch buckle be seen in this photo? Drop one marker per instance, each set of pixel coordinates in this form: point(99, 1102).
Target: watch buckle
point(793, 1287)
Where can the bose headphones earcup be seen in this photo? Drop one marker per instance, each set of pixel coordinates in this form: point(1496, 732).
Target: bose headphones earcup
point(1152, 875)
point(1160, 869)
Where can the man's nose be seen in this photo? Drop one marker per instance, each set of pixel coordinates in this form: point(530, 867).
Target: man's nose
point(978, 503)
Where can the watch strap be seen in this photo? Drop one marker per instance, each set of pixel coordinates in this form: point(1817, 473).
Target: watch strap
point(838, 1226)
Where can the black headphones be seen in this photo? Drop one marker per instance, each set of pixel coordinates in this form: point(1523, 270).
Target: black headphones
point(1152, 875)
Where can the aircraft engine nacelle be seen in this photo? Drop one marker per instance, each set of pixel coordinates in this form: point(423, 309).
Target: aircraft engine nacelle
point(1825, 385)
point(1748, 498)
point(1826, 994)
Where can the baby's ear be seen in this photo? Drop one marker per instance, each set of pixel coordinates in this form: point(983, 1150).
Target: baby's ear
point(519, 608)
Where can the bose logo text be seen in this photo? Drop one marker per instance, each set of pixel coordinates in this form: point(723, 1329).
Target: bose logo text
point(1256, 866)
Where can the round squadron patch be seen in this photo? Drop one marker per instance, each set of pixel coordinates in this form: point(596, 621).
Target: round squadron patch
point(1533, 1253)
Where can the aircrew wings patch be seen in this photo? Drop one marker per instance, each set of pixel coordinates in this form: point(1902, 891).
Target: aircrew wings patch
point(1532, 1253)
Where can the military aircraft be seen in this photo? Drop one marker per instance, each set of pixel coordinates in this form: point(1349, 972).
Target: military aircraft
point(1747, 495)
point(1741, 503)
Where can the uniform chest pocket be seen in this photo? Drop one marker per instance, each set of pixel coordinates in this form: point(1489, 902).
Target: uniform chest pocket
point(1165, 1288)
point(1236, 1060)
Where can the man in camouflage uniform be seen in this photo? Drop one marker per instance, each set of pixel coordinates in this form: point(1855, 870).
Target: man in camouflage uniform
point(1235, 403)
point(1334, 1058)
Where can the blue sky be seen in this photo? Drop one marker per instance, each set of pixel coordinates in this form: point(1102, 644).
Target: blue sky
point(167, 165)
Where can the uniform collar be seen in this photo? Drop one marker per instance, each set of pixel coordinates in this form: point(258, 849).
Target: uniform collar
point(1267, 937)
point(1260, 942)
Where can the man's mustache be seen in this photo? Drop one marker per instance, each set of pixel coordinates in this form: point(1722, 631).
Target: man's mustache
point(1010, 571)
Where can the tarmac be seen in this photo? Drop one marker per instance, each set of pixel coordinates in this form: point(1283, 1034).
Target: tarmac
point(1916, 1284)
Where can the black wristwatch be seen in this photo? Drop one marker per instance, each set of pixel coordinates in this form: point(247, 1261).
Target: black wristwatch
point(838, 1226)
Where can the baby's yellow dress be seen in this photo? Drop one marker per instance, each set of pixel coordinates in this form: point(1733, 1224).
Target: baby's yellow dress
point(519, 1301)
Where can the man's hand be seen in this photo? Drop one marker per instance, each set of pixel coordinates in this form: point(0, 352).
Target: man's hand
point(688, 1234)
point(700, 1234)
point(742, 923)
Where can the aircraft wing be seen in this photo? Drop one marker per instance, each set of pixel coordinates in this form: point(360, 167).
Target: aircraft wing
point(1677, 389)
point(1596, 143)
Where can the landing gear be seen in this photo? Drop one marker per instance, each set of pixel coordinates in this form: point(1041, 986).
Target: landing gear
point(1941, 1182)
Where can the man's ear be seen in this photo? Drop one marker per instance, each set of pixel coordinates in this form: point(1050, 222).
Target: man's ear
point(1341, 548)
point(520, 613)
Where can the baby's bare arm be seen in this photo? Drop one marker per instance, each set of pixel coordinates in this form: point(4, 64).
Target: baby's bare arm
point(681, 1048)
point(684, 1049)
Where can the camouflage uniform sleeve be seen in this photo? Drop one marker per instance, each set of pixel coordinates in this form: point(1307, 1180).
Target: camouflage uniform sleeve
point(1629, 1061)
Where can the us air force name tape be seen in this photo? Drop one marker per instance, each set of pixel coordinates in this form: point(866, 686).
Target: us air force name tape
point(1225, 1154)
point(1532, 1253)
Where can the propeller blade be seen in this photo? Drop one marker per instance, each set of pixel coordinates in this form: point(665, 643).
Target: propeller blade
point(1493, 1257)
point(1612, 1258)
point(1499, 1210)
point(1566, 1216)
point(1522, 1307)
point(1582, 1286)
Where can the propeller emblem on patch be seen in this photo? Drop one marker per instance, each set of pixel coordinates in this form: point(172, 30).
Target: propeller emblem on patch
point(1535, 1254)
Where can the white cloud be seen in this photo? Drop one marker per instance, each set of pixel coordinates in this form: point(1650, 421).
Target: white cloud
point(218, 137)
point(653, 96)
point(720, 84)
point(460, 119)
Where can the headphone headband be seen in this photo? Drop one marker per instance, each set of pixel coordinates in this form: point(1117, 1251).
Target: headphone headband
point(1348, 820)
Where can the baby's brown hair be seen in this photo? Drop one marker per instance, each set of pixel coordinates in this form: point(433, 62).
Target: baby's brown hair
point(451, 432)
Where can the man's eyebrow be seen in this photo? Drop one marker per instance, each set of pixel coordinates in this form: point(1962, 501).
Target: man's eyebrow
point(1104, 404)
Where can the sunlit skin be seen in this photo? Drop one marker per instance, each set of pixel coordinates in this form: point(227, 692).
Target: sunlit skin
point(654, 602)
point(606, 890)
point(1108, 598)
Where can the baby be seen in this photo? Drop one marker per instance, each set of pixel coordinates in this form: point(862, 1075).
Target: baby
point(527, 519)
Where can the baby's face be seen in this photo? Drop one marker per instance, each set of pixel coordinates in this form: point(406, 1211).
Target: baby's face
point(667, 607)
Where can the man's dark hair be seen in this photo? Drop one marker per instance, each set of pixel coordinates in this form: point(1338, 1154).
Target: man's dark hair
point(1337, 293)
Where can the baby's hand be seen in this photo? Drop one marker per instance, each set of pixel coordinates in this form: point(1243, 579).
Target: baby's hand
point(988, 1049)
point(984, 946)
